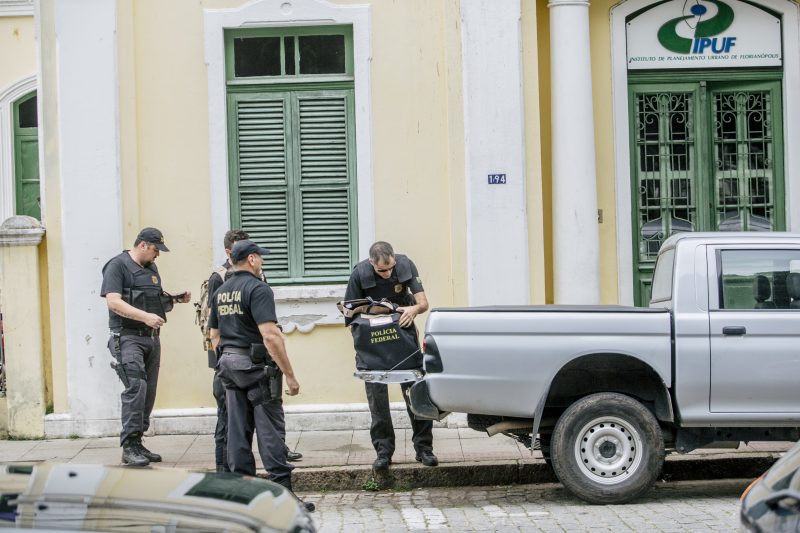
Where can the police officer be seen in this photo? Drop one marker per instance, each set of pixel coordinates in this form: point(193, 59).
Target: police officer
point(395, 278)
point(215, 281)
point(137, 307)
point(243, 322)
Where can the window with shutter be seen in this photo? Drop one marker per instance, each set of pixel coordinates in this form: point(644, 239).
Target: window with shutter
point(26, 157)
point(291, 156)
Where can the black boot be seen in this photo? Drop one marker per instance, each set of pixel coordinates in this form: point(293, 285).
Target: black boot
point(152, 457)
point(287, 484)
point(131, 455)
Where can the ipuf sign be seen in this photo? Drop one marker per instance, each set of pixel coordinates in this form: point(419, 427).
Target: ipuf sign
point(703, 34)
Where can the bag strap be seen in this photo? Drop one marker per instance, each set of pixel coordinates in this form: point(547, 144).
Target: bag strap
point(351, 308)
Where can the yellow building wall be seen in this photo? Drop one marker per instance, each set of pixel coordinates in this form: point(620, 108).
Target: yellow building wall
point(600, 49)
point(17, 62)
point(18, 46)
point(163, 112)
point(53, 288)
point(537, 257)
point(600, 39)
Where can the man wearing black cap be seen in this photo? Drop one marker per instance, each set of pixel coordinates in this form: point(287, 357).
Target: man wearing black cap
point(244, 329)
point(217, 278)
point(137, 308)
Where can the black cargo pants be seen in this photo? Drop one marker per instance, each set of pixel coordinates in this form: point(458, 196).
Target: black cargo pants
point(141, 360)
point(221, 429)
point(248, 411)
point(382, 431)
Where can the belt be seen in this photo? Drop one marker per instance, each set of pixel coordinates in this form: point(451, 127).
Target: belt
point(139, 332)
point(236, 350)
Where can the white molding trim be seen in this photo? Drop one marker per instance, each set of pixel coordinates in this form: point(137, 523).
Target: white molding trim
point(619, 90)
point(8, 96)
point(312, 417)
point(16, 8)
point(272, 13)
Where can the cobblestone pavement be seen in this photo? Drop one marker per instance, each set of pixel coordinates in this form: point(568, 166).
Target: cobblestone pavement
point(670, 507)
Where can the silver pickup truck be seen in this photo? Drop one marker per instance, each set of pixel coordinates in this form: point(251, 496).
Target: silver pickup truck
point(609, 389)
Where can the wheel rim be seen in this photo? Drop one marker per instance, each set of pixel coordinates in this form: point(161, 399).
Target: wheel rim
point(608, 450)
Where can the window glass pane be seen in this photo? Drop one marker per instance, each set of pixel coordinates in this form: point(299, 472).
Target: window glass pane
point(288, 46)
point(662, 277)
point(760, 279)
point(322, 54)
point(27, 114)
point(256, 56)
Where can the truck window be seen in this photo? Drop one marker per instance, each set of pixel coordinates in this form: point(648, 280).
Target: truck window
point(759, 279)
point(662, 277)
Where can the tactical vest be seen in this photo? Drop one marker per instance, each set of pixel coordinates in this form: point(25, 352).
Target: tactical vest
point(402, 269)
point(148, 297)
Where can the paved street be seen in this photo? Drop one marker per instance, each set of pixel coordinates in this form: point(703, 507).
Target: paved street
point(671, 507)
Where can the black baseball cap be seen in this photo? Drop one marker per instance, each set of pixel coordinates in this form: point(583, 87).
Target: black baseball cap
point(241, 249)
point(153, 236)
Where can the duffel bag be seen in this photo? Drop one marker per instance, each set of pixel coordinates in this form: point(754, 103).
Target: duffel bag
point(381, 344)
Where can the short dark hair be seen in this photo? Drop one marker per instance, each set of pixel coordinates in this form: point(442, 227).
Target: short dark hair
point(381, 250)
point(231, 236)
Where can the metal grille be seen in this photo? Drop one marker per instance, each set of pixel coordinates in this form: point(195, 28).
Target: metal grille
point(743, 161)
point(665, 168)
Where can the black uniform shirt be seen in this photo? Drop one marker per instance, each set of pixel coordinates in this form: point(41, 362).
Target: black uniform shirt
point(239, 306)
point(117, 277)
point(390, 288)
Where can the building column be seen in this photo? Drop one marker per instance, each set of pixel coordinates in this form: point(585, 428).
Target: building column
point(497, 218)
point(21, 306)
point(80, 105)
point(576, 247)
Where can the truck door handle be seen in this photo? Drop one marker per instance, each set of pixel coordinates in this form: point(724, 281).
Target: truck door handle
point(734, 330)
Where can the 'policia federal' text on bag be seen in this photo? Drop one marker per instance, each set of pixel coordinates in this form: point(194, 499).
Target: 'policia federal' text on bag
point(380, 342)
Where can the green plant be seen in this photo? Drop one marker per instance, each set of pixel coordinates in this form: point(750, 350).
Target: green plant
point(370, 485)
point(74, 436)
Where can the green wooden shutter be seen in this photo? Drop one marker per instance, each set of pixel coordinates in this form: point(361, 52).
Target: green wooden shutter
point(326, 203)
point(259, 178)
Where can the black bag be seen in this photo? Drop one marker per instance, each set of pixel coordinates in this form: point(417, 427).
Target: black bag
point(381, 344)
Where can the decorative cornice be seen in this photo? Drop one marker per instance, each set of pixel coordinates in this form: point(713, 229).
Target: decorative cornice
point(21, 231)
point(16, 8)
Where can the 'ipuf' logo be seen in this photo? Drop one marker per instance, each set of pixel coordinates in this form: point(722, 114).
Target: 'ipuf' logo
point(704, 30)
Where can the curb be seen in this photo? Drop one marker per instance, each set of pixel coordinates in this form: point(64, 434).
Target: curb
point(511, 472)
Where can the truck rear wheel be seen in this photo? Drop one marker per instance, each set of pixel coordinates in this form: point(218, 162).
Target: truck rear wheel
point(607, 448)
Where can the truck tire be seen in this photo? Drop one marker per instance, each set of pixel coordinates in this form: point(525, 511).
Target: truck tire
point(607, 448)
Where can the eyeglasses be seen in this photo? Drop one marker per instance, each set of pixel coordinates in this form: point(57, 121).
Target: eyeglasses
point(382, 270)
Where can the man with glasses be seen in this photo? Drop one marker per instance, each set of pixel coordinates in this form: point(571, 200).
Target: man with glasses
point(394, 278)
point(137, 308)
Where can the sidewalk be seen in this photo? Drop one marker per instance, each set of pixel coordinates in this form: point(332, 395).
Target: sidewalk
point(341, 460)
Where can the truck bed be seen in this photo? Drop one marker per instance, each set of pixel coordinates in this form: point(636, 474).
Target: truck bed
point(500, 360)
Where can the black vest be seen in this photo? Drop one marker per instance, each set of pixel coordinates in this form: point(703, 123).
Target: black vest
point(142, 290)
point(402, 270)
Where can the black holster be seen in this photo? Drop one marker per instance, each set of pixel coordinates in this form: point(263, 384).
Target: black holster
point(258, 354)
point(272, 385)
point(274, 382)
point(116, 364)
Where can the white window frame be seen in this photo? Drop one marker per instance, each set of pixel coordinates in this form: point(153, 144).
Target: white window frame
point(308, 305)
point(8, 96)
